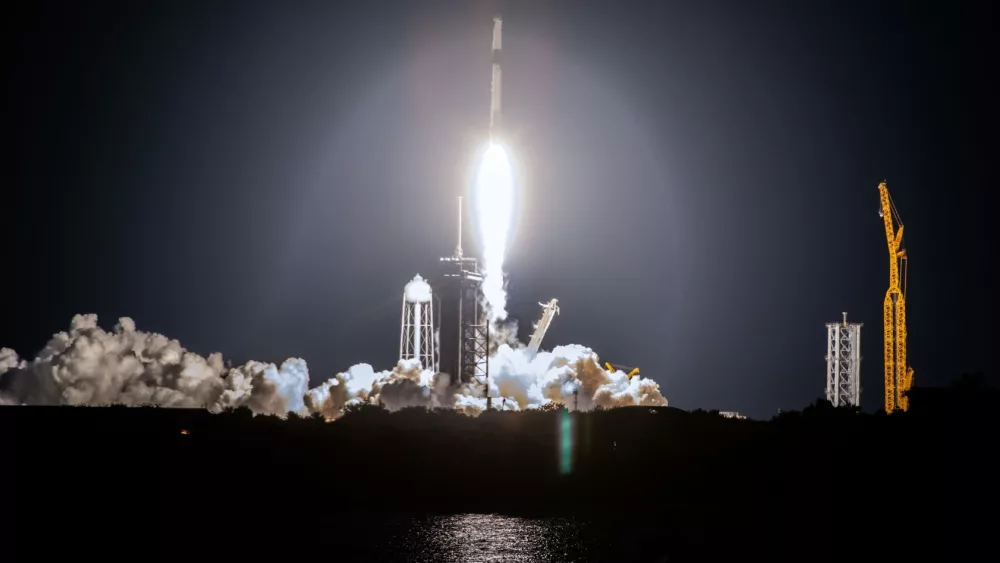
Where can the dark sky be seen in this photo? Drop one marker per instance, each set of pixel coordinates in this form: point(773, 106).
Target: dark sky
point(698, 180)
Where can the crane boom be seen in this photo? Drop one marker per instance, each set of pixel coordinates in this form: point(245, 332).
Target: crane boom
point(898, 376)
point(549, 310)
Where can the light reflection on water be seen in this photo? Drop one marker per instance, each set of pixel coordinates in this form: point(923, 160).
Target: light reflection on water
point(478, 538)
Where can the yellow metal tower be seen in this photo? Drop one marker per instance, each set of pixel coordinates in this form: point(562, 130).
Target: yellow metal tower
point(898, 376)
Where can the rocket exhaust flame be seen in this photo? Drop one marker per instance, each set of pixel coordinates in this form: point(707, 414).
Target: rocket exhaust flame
point(494, 193)
point(494, 190)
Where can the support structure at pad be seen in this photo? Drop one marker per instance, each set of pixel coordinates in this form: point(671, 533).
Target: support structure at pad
point(843, 363)
point(465, 332)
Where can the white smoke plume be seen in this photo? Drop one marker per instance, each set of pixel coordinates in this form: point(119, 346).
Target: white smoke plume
point(272, 390)
point(568, 375)
point(8, 362)
point(87, 365)
point(90, 366)
point(504, 333)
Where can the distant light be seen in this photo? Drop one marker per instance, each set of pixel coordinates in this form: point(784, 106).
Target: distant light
point(184, 431)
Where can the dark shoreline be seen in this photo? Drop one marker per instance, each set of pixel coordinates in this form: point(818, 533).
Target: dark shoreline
point(707, 486)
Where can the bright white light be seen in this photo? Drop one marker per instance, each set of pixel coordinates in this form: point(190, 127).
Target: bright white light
point(494, 207)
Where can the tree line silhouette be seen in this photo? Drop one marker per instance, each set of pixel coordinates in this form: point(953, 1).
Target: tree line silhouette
point(823, 481)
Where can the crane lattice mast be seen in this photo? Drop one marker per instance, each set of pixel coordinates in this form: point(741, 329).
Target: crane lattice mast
point(898, 375)
point(549, 310)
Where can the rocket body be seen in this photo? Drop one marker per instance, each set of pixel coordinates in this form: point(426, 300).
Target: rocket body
point(495, 88)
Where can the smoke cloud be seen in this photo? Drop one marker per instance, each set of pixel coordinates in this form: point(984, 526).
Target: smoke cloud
point(87, 365)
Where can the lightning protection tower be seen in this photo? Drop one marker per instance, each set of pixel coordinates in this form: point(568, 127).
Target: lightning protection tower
point(465, 332)
point(843, 363)
point(416, 338)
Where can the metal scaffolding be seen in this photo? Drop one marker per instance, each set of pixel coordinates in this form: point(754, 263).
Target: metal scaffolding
point(843, 363)
point(475, 331)
point(465, 332)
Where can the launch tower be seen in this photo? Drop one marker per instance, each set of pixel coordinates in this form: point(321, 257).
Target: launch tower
point(843, 363)
point(416, 337)
point(465, 333)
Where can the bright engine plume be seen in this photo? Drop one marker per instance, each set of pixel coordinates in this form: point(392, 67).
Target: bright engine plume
point(494, 208)
point(494, 195)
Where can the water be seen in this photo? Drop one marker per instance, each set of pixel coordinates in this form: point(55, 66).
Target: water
point(475, 538)
point(488, 538)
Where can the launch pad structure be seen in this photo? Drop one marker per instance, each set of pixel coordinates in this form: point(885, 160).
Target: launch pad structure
point(843, 363)
point(464, 329)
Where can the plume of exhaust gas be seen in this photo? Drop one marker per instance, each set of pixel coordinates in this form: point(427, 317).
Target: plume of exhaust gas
point(494, 191)
point(87, 365)
point(568, 375)
point(504, 333)
point(9, 361)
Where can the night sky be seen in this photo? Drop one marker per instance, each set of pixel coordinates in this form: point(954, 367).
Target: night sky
point(697, 181)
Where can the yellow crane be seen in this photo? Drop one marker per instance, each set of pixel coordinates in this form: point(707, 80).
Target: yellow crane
point(898, 375)
point(628, 371)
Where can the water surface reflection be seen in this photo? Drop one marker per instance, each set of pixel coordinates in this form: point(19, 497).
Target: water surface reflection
point(478, 538)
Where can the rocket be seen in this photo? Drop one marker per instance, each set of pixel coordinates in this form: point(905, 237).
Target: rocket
point(495, 88)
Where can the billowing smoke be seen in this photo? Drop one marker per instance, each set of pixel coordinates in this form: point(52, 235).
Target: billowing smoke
point(90, 366)
point(87, 365)
point(570, 375)
point(504, 333)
